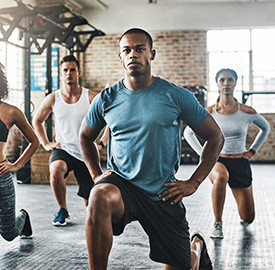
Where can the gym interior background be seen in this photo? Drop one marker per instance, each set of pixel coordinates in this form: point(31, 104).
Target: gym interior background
point(193, 40)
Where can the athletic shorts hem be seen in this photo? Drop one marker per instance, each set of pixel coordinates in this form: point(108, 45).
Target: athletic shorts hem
point(81, 172)
point(240, 175)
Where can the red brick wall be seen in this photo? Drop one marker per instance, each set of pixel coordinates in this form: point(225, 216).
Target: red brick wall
point(181, 59)
point(267, 151)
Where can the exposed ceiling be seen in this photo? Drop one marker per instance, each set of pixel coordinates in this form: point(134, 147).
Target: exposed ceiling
point(111, 3)
point(95, 4)
point(115, 16)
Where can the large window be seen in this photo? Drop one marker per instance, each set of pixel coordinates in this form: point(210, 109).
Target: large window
point(252, 54)
point(12, 57)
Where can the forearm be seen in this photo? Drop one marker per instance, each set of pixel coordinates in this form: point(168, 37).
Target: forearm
point(104, 138)
point(264, 127)
point(41, 133)
point(27, 153)
point(91, 156)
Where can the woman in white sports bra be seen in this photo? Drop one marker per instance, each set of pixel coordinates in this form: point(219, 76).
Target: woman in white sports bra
point(233, 166)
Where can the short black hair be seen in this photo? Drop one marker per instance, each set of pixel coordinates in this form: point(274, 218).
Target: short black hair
point(4, 90)
point(233, 72)
point(139, 31)
point(70, 58)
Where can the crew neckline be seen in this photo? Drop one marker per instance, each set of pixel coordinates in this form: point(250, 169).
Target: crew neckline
point(137, 92)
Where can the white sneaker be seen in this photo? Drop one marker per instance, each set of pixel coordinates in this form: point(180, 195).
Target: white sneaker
point(217, 231)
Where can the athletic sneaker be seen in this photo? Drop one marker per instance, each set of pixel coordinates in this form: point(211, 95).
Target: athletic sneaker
point(61, 218)
point(27, 229)
point(205, 262)
point(217, 231)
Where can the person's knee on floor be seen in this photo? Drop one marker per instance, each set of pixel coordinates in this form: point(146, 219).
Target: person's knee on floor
point(248, 219)
point(196, 248)
point(199, 255)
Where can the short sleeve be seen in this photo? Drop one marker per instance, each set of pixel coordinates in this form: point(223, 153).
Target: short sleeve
point(192, 113)
point(94, 117)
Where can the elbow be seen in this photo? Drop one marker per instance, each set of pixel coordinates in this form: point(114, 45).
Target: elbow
point(34, 121)
point(35, 125)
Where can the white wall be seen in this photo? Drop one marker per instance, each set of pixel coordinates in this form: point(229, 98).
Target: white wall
point(189, 16)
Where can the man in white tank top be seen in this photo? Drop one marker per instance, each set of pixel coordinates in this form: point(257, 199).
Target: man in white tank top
point(69, 104)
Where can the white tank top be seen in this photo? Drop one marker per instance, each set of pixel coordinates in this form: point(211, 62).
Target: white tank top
point(68, 118)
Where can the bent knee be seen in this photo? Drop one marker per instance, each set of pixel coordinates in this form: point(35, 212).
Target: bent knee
point(220, 180)
point(56, 175)
point(101, 199)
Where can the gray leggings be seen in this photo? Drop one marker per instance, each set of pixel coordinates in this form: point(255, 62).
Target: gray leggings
point(10, 225)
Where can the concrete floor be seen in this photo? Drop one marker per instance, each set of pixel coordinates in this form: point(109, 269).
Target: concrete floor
point(53, 248)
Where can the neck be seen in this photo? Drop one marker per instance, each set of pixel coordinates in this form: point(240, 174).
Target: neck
point(227, 100)
point(138, 83)
point(74, 89)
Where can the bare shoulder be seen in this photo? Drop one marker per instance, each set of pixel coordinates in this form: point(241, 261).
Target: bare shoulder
point(7, 109)
point(91, 95)
point(49, 100)
point(247, 109)
point(10, 114)
point(211, 108)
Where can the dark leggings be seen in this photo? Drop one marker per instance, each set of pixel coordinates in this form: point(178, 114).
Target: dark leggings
point(10, 225)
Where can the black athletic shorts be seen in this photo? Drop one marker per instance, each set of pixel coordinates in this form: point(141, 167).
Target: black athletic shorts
point(165, 224)
point(239, 170)
point(81, 173)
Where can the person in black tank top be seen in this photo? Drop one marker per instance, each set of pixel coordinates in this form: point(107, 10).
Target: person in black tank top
point(12, 225)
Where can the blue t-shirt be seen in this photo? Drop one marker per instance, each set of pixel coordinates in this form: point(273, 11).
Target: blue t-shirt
point(145, 125)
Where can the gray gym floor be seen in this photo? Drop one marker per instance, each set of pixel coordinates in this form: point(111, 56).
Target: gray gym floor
point(53, 248)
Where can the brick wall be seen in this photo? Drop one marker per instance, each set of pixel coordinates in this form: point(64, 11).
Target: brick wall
point(267, 151)
point(181, 59)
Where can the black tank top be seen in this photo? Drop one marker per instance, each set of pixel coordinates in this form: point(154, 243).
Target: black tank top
point(3, 132)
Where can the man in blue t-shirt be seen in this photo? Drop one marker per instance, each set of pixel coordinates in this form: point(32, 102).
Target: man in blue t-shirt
point(144, 114)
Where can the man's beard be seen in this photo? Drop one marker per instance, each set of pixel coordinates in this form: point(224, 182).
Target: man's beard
point(135, 73)
point(70, 83)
